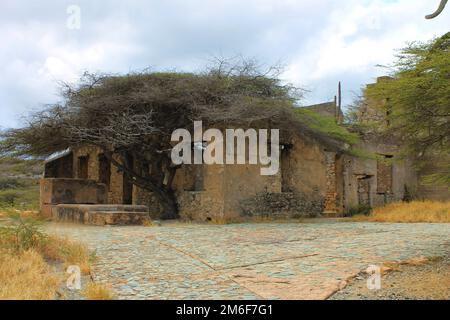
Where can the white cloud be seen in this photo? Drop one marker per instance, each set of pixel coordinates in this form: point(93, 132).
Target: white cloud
point(320, 41)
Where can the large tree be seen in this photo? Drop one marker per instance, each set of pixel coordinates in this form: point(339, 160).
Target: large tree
point(133, 117)
point(418, 100)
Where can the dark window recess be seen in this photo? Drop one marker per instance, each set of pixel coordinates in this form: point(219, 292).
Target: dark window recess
point(104, 168)
point(60, 168)
point(83, 164)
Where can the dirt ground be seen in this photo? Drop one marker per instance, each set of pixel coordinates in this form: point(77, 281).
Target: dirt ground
point(427, 281)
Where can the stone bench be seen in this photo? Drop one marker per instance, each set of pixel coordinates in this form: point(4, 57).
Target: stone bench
point(99, 215)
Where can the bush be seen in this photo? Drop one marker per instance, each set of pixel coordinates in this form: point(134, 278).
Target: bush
point(22, 234)
point(25, 199)
point(10, 183)
point(358, 210)
point(9, 197)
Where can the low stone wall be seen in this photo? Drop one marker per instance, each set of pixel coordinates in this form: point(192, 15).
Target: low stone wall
point(283, 205)
point(101, 214)
point(70, 191)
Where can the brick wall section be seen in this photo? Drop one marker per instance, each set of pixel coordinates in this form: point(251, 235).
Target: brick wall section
point(144, 197)
point(115, 189)
point(283, 205)
point(115, 192)
point(331, 193)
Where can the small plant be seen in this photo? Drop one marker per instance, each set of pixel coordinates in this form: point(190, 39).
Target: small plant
point(9, 197)
point(96, 291)
point(21, 234)
point(69, 252)
point(10, 183)
point(362, 209)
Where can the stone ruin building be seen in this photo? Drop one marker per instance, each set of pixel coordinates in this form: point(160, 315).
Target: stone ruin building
point(80, 184)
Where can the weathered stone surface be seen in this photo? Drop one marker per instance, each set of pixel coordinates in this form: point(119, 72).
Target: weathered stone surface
point(286, 204)
point(56, 191)
point(101, 215)
point(100, 218)
point(70, 191)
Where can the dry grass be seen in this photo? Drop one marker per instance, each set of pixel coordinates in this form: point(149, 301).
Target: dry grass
point(68, 252)
point(416, 211)
point(6, 212)
point(25, 252)
point(97, 291)
point(26, 276)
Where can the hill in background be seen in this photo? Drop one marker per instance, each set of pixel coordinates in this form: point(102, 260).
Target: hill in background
point(19, 183)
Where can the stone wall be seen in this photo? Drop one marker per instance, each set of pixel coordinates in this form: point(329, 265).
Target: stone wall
point(115, 188)
point(283, 205)
point(207, 202)
point(146, 198)
point(55, 191)
point(331, 195)
point(361, 176)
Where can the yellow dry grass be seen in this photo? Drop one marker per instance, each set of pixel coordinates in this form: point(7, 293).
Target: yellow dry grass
point(30, 214)
point(26, 276)
point(97, 291)
point(25, 252)
point(68, 252)
point(412, 212)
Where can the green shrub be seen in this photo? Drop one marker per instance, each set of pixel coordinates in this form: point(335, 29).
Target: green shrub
point(326, 125)
point(26, 198)
point(359, 209)
point(21, 234)
point(9, 197)
point(10, 183)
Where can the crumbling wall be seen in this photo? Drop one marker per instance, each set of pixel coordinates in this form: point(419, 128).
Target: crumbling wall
point(200, 200)
point(93, 164)
point(381, 176)
point(331, 195)
point(283, 205)
point(115, 188)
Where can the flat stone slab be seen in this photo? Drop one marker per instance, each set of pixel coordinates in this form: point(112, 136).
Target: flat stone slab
point(248, 261)
point(106, 207)
point(101, 215)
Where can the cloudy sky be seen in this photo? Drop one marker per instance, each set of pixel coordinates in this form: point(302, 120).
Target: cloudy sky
point(320, 42)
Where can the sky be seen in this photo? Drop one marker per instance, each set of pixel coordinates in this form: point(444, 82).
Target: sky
point(318, 42)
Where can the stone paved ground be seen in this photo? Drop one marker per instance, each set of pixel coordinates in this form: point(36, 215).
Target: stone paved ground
point(248, 261)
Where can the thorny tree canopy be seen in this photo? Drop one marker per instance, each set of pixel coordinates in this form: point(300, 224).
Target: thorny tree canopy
point(138, 112)
point(133, 117)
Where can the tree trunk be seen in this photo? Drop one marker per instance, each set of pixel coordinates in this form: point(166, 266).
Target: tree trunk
point(165, 195)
